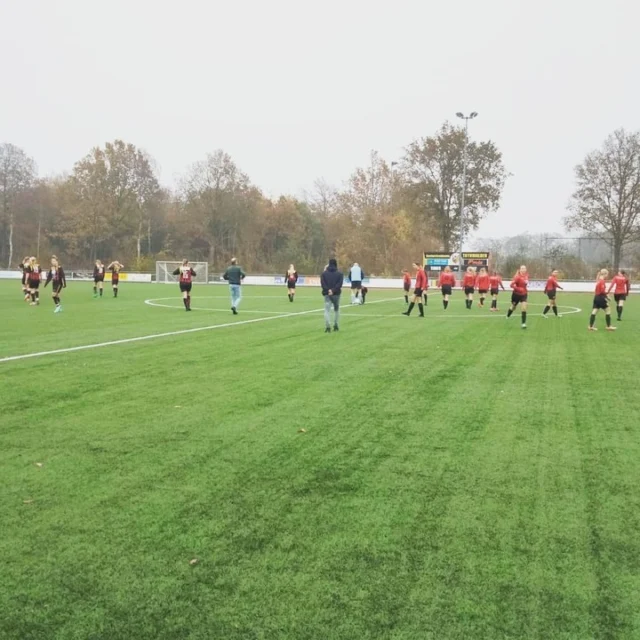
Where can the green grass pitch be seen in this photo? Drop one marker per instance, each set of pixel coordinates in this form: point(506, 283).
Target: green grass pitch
point(457, 477)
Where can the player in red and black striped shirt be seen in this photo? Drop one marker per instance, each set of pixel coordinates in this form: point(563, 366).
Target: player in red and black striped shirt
point(622, 289)
point(550, 290)
point(185, 281)
point(520, 294)
point(291, 278)
point(23, 267)
point(56, 276)
point(601, 302)
point(98, 278)
point(115, 268)
point(420, 288)
point(34, 275)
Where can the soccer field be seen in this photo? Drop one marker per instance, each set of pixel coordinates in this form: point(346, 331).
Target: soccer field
point(438, 478)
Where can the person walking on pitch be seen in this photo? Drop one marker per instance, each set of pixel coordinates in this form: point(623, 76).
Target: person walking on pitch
point(601, 302)
point(495, 284)
point(420, 288)
point(331, 281)
point(622, 289)
point(446, 282)
point(550, 289)
point(356, 276)
point(234, 275)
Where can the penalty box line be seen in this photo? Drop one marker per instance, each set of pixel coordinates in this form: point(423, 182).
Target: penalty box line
point(166, 334)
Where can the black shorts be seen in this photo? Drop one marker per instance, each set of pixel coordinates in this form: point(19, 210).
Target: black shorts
point(98, 279)
point(468, 290)
point(600, 302)
point(291, 285)
point(356, 284)
point(551, 294)
point(446, 289)
point(517, 298)
point(57, 290)
point(407, 287)
point(185, 286)
point(619, 297)
point(115, 279)
point(495, 292)
point(24, 278)
point(417, 292)
point(33, 284)
point(483, 292)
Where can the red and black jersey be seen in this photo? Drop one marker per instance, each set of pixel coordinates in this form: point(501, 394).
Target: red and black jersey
point(34, 273)
point(482, 282)
point(495, 282)
point(406, 279)
point(469, 280)
point(447, 279)
point(98, 272)
point(622, 285)
point(520, 283)
point(186, 274)
point(57, 277)
point(552, 284)
point(601, 287)
point(291, 278)
point(23, 268)
point(421, 280)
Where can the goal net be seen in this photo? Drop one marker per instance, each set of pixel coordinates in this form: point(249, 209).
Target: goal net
point(164, 271)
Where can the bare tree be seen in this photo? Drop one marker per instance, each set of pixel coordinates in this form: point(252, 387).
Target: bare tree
point(17, 174)
point(606, 201)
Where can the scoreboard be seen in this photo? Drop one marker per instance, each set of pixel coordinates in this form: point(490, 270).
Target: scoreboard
point(436, 261)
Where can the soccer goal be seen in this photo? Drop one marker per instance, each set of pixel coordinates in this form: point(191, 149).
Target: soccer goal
point(164, 271)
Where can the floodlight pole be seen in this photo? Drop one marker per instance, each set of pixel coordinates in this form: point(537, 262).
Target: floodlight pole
point(466, 119)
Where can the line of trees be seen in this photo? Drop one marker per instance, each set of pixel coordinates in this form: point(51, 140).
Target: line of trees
point(112, 205)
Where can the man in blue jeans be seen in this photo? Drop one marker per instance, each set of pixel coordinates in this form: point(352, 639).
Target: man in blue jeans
point(234, 275)
point(331, 281)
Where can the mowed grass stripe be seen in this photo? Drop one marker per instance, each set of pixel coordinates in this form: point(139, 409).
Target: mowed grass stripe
point(421, 502)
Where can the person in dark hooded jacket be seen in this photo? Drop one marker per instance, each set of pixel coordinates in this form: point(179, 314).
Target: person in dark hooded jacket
point(331, 281)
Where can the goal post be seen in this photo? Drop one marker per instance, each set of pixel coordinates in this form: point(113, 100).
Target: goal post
point(165, 269)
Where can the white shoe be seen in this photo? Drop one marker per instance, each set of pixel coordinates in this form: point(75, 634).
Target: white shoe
point(524, 326)
point(559, 315)
point(545, 316)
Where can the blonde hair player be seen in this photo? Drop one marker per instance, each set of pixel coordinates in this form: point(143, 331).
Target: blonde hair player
point(56, 276)
point(186, 273)
point(601, 302)
point(520, 293)
point(115, 268)
point(291, 278)
point(98, 278)
point(469, 285)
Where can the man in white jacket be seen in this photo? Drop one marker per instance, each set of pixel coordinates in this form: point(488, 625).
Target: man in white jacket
point(356, 276)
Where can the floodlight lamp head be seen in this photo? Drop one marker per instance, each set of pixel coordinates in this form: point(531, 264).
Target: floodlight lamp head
point(473, 114)
point(460, 114)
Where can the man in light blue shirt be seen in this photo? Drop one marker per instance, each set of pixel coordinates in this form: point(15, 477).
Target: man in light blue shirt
point(356, 276)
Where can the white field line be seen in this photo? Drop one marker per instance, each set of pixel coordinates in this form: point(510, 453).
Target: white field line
point(166, 334)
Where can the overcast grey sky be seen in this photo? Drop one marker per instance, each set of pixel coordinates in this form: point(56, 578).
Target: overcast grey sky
point(296, 90)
